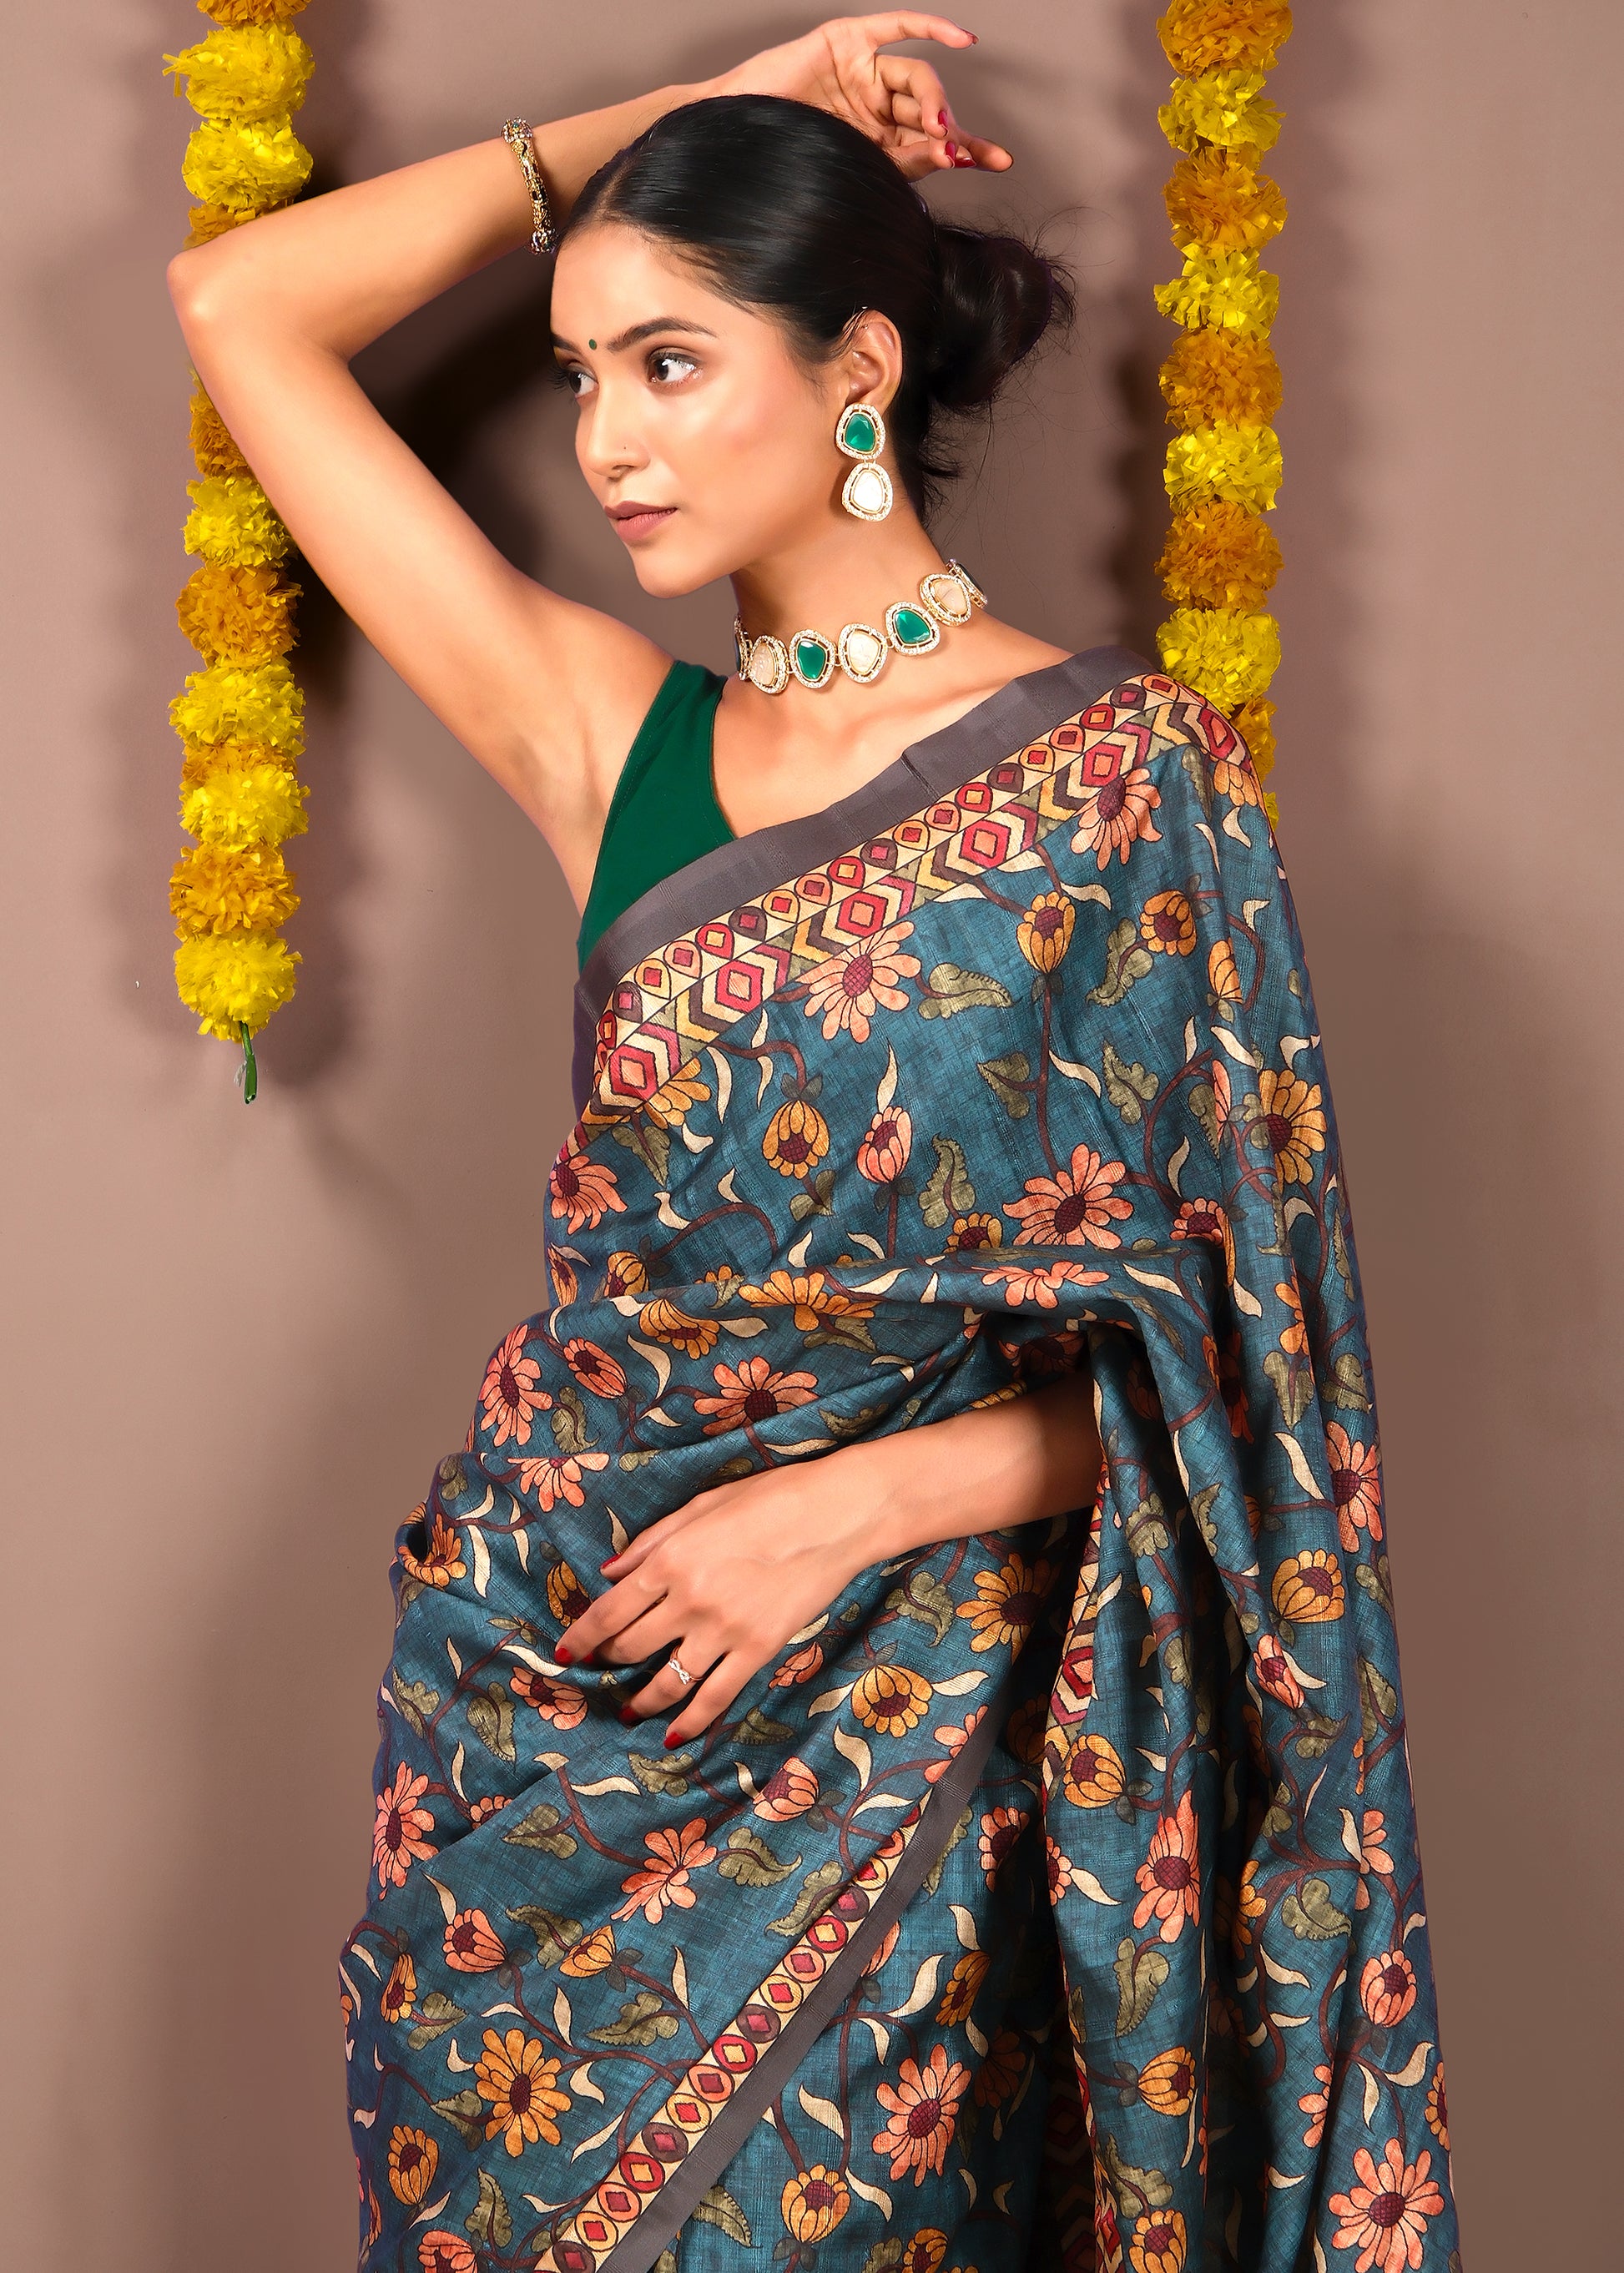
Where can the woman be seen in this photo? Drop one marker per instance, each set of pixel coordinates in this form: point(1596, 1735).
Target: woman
point(955, 1293)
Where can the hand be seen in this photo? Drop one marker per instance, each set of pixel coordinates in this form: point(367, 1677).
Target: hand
point(896, 100)
point(727, 1580)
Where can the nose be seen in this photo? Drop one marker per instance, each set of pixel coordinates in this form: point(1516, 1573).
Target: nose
point(608, 443)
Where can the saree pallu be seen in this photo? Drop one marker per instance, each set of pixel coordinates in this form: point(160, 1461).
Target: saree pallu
point(1052, 1901)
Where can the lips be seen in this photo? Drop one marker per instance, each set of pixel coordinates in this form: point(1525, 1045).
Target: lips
point(633, 520)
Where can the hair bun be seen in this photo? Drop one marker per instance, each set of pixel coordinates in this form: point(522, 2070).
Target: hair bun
point(996, 297)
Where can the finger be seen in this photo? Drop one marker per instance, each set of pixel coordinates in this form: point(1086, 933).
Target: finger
point(627, 1600)
point(665, 1691)
point(885, 30)
point(974, 149)
point(918, 97)
point(711, 1699)
point(638, 1550)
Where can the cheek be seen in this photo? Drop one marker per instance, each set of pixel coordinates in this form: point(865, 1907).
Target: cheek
point(748, 452)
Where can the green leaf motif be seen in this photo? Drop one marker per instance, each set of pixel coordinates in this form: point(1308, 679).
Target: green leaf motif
point(817, 1891)
point(1147, 1533)
point(1312, 1915)
point(668, 1775)
point(1009, 1079)
point(435, 2015)
point(1347, 1386)
point(1294, 1384)
point(489, 1716)
point(570, 1432)
point(843, 1425)
point(490, 2220)
point(1139, 1975)
point(719, 2208)
point(1135, 2189)
point(750, 1862)
point(539, 1829)
point(1378, 1700)
point(554, 1934)
point(643, 2018)
point(1203, 1105)
point(757, 1729)
point(650, 1142)
point(950, 1191)
point(466, 2111)
point(1125, 960)
point(949, 990)
point(416, 1700)
point(1129, 1087)
point(924, 1597)
point(815, 1198)
point(1315, 1735)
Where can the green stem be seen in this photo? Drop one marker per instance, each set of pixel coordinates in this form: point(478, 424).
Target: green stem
point(251, 1071)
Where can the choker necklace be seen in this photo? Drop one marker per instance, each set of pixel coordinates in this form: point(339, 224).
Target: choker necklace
point(946, 598)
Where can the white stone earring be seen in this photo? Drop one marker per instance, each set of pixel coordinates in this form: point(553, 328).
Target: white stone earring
point(860, 434)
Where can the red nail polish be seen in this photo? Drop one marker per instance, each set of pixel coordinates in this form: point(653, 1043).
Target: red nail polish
point(604, 1566)
point(941, 118)
point(672, 1738)
point(562, 1653)
point(953, 152)
point(627, 1714)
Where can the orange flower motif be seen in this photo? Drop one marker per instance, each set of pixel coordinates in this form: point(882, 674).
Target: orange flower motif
point(557, 1476)
point(1159, 2243)
point(1167, 2082)
point(483, 1810)
point(582, 1191)
point(954, 1740)
point(413, 2159)
point(1308, 1588)
point(1313, 2105)
point(925, 2252)
point(1201, 1219)
point(1221, 976)
point(1093, 1775)
point(1061, 1869)
point(1387, 1988)
point(962, 1986)
point(666, 1323)
point(1272, 1668)
point(1171, 1879)
point(884, 1153)
point(521, 2083)
point(789, 1791)
point(811, 1295)
point(442, 1560)
point(440, 2252)
point(397, 1835)
point(1044, 932)
point(1011, 1600)
point(674, 1100)
point(1384, 2218)
point(1437, 2108)
point(623, 1274)
point(1001, 1827)
point(508, 1393)
point(847, 989)
point(566, 1597)
point(1001, 2071)
point(470, 1946)
point(814, 2203)
point(400, 1991)
point(752, 1393)
point(1026, 1729)
point(1293, 1337)
point(561, 1702)
point(1021, 1284)
point(662, 1878)
point(1356, 1485)
point(594, 1369)
point(566, 1285)
point(803, 1664)
point(1167, 924)
point(1115, 814)
point(1251, 1906)
point(890, 1698)
point(1293, 1123)
point(1373, 1855)
point(970, 1232)
point(1077, 1204)
point(924, 2104)
point(797, 1138)
point(595, 1953)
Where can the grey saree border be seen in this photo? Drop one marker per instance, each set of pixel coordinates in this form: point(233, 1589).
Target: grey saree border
point(741, 871)
point(701, 2168)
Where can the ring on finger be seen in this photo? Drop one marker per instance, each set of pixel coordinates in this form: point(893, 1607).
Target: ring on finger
point(677, 1667)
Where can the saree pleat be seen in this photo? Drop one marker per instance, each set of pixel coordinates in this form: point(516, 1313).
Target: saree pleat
point(1052, 1901)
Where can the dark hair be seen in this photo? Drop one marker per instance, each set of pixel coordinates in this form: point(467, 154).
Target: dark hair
point(794, 211)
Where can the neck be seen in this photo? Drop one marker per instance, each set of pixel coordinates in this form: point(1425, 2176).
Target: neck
point(847, 572)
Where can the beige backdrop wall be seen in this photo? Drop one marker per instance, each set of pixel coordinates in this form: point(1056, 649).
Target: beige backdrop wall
point(238, 1340)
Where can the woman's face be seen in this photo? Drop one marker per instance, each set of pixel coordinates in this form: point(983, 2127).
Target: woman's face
point(705, 440)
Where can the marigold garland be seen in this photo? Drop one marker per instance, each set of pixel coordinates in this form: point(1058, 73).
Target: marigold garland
point(1222, 384)
point(241, 717)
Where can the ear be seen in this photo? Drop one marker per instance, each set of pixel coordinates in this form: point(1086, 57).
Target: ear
point(870, 361)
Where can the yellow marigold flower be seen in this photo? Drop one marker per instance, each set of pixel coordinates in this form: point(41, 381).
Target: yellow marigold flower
point(248, 164)
point(216, 888)
point(1044, 932)
point(1199, 36)
point(624, 1273)
point(892, 1699)
point(1217, 376)
point(1225, 107)
point(1218, 201)
point(233, 702)
point(253, 71)
point(234, 980)
point(814, 2203)
point(811, 1295)
point(257, 803)
point(237, 614)
point(211, 445)
point(1219, 554)
point(1242, 463)
point(1308, 1587)
point(413, 2160)
point(250, 12)
point(210, 222)
point(1093, 1775)
point(1293, 1119)
point(694, 1337)
point(1251, 720)
point(595, 1955)
point(1167, 924)
point(1167, 2082)
point(232, 519)
point(1225, 654)
point(797, 1138)
point(1227, 291)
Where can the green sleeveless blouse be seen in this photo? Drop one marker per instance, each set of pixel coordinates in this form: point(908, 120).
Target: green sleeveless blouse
point(664, 812)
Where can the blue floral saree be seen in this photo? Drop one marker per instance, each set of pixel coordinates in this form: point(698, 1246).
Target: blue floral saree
point(1053, 1903)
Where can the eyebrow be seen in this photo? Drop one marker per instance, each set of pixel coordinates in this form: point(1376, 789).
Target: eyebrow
point(630, 339)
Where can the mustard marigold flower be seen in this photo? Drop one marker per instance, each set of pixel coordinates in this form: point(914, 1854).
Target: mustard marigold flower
point(413, 2159)
point(1093, 1775)
point(1211, 376)
point(521, 2088)
point(1199, 36)
point(232, 519)
point(814, 2203)
point(216, 889)
point(234, 980)
point(962, 1984)
point(1225, 290)
point(1044, 932)
point(892, 1699)
point(1167, 2082)
point(1218, 202)
point(1159, 2244)
point(1293, 1119)
point(251, 11)
point(1225, 107)
point(1308, 1588)
point(400, 1991)
point(236, 612)
point(1167, 924)
point(566, 1597)
point(1242, 463)
point(211, 444)
point(797, 1138)
point(666, 1323)
point(1225, 654)
point(233, 803)
point(253, 71)
point(593, 1954)
point(248, 164)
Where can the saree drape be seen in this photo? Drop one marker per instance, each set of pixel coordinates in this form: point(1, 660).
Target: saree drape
point(1052, 1900)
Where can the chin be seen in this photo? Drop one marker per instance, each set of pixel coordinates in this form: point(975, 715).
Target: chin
point(668, 571)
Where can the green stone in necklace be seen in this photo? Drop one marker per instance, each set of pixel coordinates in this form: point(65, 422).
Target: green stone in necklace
point(946, 598)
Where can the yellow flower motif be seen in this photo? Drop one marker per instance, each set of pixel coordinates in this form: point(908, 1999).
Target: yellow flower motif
point(694, 1337)
point(1227, 291)
point(812, 1296)
point(1093, 1775)
point(247, 72)
point(1225, 654)
point(797, 1138)
point(1308, 1587)
point(891, 1698)
point(1293, 1337)
point(1225, 107)
point(674, 1100)
point(1225, 459)
point(234, 980)
point(236, 701)
point(962, 1986)
point(594, 1954)
point(1221, 975)
point(232, 520)
point(247, 164)
point(232, 802)
point(1217, 202)
point(413, 2160)
point(1167, 2082)
point(973, 1231)
point(1294, 1123)
point(213, 889)
point(1011, 1598)
point(1167, 924)
point(521, 2087)
point(1045, 930)
point(814, 2203)
point(1199, 36)
point(1159, 2243)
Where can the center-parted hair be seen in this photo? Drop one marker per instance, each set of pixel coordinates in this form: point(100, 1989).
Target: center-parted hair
point(792, 211)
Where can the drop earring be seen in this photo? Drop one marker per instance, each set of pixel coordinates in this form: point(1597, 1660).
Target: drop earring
point(860, 434)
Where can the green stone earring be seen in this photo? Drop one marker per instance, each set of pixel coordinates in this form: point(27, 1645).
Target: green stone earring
point(860, 434)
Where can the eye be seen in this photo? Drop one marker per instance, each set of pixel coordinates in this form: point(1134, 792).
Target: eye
point(574, 381)
point(669, 366)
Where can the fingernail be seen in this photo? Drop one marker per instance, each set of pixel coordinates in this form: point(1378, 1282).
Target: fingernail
point(941, 118)
point(627, 1714)
point(563, 1654)
point(953, 152)
point(672, 1737)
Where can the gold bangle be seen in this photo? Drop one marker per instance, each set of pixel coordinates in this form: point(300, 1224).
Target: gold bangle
point(543, 237)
